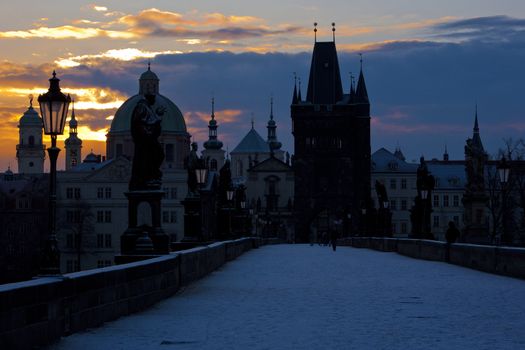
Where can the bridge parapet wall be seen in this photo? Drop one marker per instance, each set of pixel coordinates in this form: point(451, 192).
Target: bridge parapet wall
point(38, 312)
point(506, 261)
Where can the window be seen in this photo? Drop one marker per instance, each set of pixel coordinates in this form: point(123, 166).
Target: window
point(69, 266)
point(107, 240)
point(107, 216)
point(108, 192)
point(100, 240)
point(213, 164)
point(103, 263)
point(173, 193)
point(393, 204)
point(404, 228)
point(100, 192)
point(69, 241)
point(239, 168)
point(403, 204)
point(69, 193)
point(73, 162)
point(445, 200)
point(403, 184)
point(394, 228)
point(169, 217)
point(77, 193)
point(456, 200)
point(31, 140)
point(170, 152)
point(73, 216)
point(100, 216)
point(72, 266)
point(393, 184)
point(436, 201)
point(436, 221)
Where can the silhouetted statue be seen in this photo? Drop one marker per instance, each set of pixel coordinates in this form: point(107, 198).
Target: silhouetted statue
point(149, 154)
point(190, 163)
point(381, 193)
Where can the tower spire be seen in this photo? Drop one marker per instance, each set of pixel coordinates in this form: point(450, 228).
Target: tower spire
point(333, 31)
point(299, 97)
point(294, 97)
point(361, 92)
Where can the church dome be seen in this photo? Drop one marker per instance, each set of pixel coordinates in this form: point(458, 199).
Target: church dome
point(30, 118)
point(172, 120)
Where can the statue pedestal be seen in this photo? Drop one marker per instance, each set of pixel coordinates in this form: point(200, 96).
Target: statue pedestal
point(144, 239)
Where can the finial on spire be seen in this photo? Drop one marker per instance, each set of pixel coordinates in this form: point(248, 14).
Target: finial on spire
point(252, 120)
point(361, 60)
point(213, 108)
point(333, 31)
point(149, 64)
point(72, 107)
point(315, 31)
point(30, 100)
point(271, 107)
point(54, 74)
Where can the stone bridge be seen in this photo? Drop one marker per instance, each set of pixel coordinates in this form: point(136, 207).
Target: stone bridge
point(280, 297)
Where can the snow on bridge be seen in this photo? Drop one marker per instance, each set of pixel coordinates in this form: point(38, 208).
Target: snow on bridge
point(303, 297)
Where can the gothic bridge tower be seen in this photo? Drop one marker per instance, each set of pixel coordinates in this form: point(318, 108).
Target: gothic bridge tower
point(332, 147)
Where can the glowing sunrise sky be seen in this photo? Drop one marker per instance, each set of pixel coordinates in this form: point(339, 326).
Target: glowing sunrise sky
point(426, 64)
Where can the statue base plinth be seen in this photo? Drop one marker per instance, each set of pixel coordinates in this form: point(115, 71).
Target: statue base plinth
point(144, 239)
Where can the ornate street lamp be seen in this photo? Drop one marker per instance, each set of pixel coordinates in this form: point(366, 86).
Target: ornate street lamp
point(504, 172)
point(54, 106)
point(201, 172)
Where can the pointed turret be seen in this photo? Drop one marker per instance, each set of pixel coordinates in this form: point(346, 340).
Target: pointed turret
point(213, 142)
point(352, 90)
point(324, 84)
point(476, 138)
point(272, 141)
point(399, 154)
point(445, 155)
point(73, 144)
point(294, 97)
point(299, 97)
point(361, 92)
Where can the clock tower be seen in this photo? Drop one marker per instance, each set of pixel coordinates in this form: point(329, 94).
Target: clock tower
point(73, 144)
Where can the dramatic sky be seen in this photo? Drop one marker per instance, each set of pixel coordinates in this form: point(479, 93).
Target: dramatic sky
point(426, 64)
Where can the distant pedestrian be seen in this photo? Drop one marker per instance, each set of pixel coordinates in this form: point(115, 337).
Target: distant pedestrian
point(452, 233)
point(333, 239)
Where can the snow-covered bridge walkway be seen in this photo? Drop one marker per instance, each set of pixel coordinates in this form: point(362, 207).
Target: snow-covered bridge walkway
point(303, 297)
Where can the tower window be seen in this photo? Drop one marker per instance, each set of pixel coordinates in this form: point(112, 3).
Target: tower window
point(31, 140)
point(31, 164)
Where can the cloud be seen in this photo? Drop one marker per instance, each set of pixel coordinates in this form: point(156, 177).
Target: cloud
point(128, 54)
point(100, 8)
point(489, 29)
point(66, 32)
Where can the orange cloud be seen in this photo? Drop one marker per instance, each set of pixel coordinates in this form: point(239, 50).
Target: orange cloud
point(128, 54)
point(66, 32)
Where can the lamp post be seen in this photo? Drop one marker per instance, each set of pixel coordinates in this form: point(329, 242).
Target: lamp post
point(229, 198)
point(504, 172)
point(363, 220)
point(54, 106)
point(424, 196)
